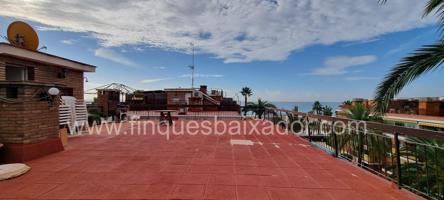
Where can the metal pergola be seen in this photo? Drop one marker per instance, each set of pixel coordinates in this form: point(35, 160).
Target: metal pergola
point(121, 88)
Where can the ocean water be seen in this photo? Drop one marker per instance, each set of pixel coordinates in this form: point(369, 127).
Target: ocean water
point(304, 106)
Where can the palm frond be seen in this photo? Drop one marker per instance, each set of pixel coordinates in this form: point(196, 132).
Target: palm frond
point(436, 6)
point(358, 112)
point(432, 5)
point(425, 59)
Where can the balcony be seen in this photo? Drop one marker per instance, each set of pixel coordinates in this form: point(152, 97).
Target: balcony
point(137, 162)
point(411, 158)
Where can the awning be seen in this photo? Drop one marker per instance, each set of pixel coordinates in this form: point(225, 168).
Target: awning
point(401, 120)
point(37, 56)
point(436, 125)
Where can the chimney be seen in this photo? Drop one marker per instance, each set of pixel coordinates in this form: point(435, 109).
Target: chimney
point(203, 89)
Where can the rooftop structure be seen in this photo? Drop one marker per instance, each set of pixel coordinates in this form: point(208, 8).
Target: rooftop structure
point(423, 112)
point(183, 100)
point(29, 120)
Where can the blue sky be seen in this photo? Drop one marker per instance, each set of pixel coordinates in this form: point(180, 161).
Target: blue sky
point(328, 56)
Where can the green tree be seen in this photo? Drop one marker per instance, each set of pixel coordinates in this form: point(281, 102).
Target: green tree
point(425, 59)
point(376, 144)
point(260, 107)
point(347, 102)
point(317, 107)
point(246, 92)
point(359, 112)
point(425, 171)
point(296, 108)
point(327, 110)
point(294, 117)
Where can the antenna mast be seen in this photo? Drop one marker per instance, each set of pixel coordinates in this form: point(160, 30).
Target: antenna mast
point(192, 67)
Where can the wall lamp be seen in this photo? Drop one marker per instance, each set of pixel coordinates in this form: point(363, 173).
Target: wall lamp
point(50, 95)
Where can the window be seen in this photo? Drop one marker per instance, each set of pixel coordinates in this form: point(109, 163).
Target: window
point(12, 92)
point(66, 92)
point(113, 96)
point(19, 73)
point(62, 74)
point(31, 73)
point(175, 99)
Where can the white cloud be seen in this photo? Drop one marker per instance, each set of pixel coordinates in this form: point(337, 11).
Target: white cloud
point(111, 55)
point(202, 76)
point(68, 41)
point(340, 64)
point(46, 28)
point(236, 31)
point(371, 40)
point(360, 78)
point(138, 49)
point(153, 80)
point(159, 67)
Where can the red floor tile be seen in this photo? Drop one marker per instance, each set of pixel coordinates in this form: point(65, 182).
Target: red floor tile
point(29, 191)
point(195, 167)
point(159, 191)
point(189, 191)
point(117, 192)
point(313, 194)
point(250, 180)
point(251, 192)
point(194, 179)
point(220, 192)
point(275, 181)
point(222, 170)
point(222, 179)
point(283, 194)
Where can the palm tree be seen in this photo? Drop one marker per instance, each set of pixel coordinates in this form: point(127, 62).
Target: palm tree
point(427, 155)
point(260, 107)
point(294, 117)
point(425, 59)
point(327, 110)
point(375, 143)
point(359, 112)
point(347, 103)
point(246, 92)
point(317, 107)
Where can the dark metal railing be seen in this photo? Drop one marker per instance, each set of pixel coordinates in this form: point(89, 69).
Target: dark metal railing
point(411, 158)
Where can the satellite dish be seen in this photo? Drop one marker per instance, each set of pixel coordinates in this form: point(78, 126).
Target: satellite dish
point(20, 34)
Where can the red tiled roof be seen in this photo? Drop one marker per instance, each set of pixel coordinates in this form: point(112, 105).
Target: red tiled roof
point(196, 167)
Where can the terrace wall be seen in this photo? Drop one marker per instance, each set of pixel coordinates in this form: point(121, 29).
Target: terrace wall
point(29, 125)
point(2, 70)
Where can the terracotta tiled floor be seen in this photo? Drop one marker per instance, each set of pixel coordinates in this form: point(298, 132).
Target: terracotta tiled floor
point(195, 167)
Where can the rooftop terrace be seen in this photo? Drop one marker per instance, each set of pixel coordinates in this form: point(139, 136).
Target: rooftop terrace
point(196, 167)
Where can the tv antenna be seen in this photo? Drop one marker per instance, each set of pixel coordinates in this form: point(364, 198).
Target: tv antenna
point(192, 66)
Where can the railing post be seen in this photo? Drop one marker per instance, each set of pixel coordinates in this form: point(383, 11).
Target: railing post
point(280, 116)
point(398, 160)
point(335, 139)
point(360, 146)
point(308, 129)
